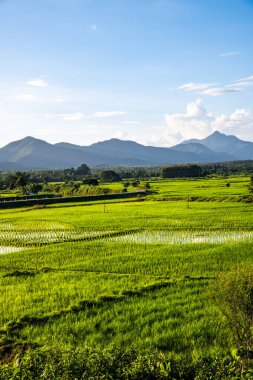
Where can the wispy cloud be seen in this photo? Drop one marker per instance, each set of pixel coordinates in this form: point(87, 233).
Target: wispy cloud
point(239, 85)
point(247, 78)
point(94, 27)
point(108, 114)
point(216, 91)
point(76, 116)
point(37, 83)
point(194, 86)
point(73, 116)
point(230, 53)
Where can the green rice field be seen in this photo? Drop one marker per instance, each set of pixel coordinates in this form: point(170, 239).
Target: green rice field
point(125, 274)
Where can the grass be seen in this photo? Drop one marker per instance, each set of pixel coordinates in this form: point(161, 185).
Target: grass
point(140, 281)
point(206, 189)
point(173, 318)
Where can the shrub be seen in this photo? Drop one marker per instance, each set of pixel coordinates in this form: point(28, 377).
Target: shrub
point(233, 294)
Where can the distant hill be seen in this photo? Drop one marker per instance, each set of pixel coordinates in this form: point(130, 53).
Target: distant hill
point(35, 153)
point(10, 167)
point(228, 144)
point(32, 153)
point(203, 151)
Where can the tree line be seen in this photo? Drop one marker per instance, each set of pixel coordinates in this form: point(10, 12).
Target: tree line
point(41, 180)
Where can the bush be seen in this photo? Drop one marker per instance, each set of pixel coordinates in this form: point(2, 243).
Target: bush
point(31, 363)
point(233, 294)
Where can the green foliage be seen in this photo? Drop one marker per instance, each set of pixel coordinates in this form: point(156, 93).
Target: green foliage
point(83, 170)
point(110, 176)
point(34, 188)
point(233, 294)
point(15, 180)
point(87, 363)
point(181, 171)
point(91, 182)
point(136, 183)
point(251, 184)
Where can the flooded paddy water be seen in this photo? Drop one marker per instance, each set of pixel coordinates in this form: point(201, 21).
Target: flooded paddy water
point(186, 237)
point(10, 249)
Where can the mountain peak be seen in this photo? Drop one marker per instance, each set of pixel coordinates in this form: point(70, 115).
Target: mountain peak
point(30, 139)
point(219, 138)
point(216, 134)
point(220, 143)
point(117, 143)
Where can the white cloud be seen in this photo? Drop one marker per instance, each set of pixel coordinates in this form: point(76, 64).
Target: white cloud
point(198, 123)
point(26, 97)
point(58, 99)
point(194, 86)
point(37, 83)
point(240, 123)
point(108, 114)
point(131, 122)
point(230, 54)
point(94, 27)
point(73, 116)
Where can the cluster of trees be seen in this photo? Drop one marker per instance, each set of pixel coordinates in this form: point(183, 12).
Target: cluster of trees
point(71, 174)
point(203, 170)
point(36, 181)
point(15, 180)
point(63, 182)
point(130, 173)
point(181, 171)
point(228, 168)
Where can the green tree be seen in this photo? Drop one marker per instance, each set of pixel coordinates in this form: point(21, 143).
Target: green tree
point(91, 182)
point(34, 188)
point(110, 176)
point(136, 183)
point(22, 180)
point(83, 170)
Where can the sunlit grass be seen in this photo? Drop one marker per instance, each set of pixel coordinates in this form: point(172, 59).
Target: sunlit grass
point(71, 255)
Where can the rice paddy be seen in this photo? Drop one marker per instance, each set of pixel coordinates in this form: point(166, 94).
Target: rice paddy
point(168, 237)
point(9, 249)
point(131, 274)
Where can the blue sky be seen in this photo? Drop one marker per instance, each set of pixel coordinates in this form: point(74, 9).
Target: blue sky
point(153, 71)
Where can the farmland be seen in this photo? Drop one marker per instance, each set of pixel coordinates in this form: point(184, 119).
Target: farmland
point(126, 274)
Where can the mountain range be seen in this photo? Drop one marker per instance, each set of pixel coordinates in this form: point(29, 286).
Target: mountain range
point(31, 153)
